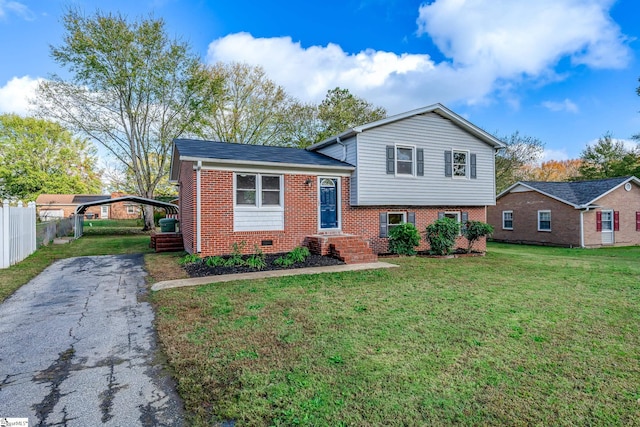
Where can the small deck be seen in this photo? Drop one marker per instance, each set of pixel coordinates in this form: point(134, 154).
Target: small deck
point(167, 242)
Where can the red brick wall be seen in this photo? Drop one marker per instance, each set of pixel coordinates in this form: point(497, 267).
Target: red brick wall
point(300, 215)
point(565, 220)
point(627, 203)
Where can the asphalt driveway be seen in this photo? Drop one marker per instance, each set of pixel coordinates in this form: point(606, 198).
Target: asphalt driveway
point(77, 348)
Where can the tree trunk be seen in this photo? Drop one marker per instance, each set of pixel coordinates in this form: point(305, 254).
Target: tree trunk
point(147, 216)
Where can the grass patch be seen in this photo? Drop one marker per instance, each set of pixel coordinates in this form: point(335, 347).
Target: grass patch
point(523, 336)
point(15, 276)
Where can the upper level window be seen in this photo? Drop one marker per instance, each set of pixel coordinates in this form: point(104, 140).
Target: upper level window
point(544, 220)
point(507, 220)
point(258, 190)
point(460, 163)
point(404, 161)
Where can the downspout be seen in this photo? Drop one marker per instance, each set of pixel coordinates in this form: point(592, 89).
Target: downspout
point(344, 149)
point(582, 225)
point(198, 208)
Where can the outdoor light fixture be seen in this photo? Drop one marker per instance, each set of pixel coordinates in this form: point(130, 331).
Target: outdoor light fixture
point(308, 182)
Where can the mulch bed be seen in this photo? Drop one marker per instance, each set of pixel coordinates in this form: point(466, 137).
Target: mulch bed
point(201, 269)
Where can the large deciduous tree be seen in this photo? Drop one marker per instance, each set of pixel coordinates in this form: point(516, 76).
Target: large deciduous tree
point(341, 110)
point(553, 170)
point(132, 89)
point(609, 158)
point(39, 156)
point(511, 161)
point(251, 108)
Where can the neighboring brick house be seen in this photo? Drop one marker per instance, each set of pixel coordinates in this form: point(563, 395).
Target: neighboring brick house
point(342, 194)
point(588, 214)
point(53, 206)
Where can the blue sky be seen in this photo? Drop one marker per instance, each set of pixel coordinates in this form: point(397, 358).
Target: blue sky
point(564, 71)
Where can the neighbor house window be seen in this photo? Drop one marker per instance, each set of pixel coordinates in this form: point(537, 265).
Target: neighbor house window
point(394, 219)
point(131, 209)
point(258, 190)
point(460, 163)
point(507, 220)
point(607, 220)
point(404, 160)
point(544, 220)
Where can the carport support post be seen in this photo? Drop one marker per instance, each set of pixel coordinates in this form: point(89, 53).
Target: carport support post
point(6, 238)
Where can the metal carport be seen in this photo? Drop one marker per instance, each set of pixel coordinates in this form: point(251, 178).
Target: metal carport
point(169, 208)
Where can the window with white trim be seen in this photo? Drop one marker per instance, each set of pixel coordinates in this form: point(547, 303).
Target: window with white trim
point(507, 220)
point(544, 220)
point(456, 217)
point(460, 159)
point(258, 190)
point(404, 160)
point(394, 219)
point(607, 220)
point(131, 209)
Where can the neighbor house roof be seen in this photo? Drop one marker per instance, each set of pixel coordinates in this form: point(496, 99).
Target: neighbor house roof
point(577, 193)
point(435, 108)
point(225, 152)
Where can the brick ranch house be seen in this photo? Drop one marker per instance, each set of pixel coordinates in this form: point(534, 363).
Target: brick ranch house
point(341, 195)
point(584, 214)
point(55, 206)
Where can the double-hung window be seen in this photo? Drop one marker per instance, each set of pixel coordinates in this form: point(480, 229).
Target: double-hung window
point(507, 220)
point(460, 163)
point(404, 160)
point(258, 190)
point(394, 219)
point(544, 220)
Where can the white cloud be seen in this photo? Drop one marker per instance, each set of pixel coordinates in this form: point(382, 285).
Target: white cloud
point(628, 144)
point(18, 8)
point(566, 105)
point(491, 45)
point(558, 155)
point(514, 37)
point(16, 93)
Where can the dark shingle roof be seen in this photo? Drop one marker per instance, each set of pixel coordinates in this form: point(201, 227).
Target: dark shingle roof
point(87, 198)
point(253, 153)
point(579, 192)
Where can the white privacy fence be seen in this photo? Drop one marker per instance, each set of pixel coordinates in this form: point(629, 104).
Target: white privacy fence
point(17, 233)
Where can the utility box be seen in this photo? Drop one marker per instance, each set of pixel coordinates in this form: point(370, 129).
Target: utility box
point(168, 225)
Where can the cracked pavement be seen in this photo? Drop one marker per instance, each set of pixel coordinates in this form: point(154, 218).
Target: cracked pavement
point(78, 348)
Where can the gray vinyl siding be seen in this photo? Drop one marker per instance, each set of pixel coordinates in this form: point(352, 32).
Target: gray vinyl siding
point(336, 151)
point(435, 135)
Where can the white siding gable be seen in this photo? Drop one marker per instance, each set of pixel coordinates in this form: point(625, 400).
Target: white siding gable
point(435, 135)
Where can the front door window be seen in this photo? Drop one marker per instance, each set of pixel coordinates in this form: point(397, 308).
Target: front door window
point(329, 203)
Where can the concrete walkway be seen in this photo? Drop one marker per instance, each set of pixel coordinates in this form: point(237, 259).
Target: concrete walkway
point(197, 281)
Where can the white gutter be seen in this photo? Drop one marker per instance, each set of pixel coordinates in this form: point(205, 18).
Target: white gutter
point(198, 208)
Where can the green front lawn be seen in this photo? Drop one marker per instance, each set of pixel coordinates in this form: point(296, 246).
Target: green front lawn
point(523, 336)
point(15, 276)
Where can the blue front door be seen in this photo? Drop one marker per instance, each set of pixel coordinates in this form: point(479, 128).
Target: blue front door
point(329, 203)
